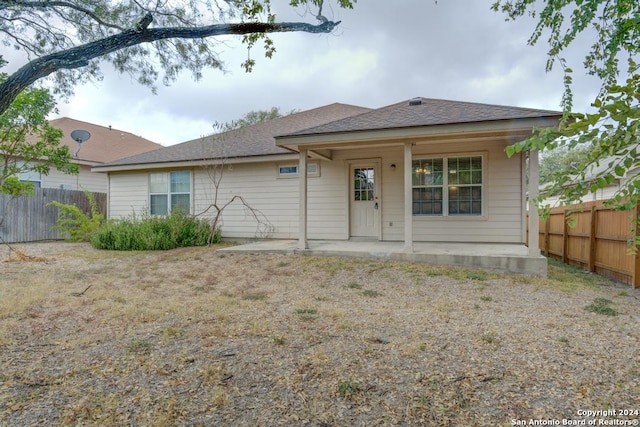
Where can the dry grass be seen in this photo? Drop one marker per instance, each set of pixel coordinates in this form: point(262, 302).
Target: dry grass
point(195, 337)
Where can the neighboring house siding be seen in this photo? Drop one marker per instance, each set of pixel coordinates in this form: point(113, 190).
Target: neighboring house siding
point(605, 193)
point(85, 180)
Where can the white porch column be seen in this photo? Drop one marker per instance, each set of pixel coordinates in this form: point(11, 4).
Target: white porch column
point(302, 225)
point(534, 225)
point(408, 199)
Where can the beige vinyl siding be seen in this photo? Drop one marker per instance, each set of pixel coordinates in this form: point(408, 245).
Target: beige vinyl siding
point(393, 196)
point(85, 180)
point(328, 201)
point(128, 193)
point(275, 198)
point(93, 181)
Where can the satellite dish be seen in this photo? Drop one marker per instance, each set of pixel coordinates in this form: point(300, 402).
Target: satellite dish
point(79, 136)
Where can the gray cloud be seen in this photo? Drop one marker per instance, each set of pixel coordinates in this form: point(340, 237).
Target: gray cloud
point(380, 54)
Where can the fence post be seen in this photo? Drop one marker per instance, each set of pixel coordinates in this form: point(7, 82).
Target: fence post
point(547, 228)
point(565, 236)
point(635, 278)
point(592, 240)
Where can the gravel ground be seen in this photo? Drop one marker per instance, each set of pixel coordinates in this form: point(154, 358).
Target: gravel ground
point(193, 337)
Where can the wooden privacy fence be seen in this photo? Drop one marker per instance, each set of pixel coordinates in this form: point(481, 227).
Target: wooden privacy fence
point(593, 237)
point(29, 219)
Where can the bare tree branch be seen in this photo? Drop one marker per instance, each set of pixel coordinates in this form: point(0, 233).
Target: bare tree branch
point(81, 55)
point(216, 173)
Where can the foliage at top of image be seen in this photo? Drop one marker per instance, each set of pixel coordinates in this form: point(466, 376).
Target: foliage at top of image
point(154, 233)
point(610, 134)
point(68, 42)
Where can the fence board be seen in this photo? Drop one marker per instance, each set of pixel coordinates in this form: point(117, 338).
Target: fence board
point(599, 241)
point(29, 219)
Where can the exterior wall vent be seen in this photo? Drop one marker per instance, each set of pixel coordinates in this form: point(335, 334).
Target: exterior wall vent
point(415, 101)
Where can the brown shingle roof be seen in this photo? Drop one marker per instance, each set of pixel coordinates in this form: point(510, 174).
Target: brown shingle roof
point(105, 144)
point(425, 112)
point(255, 140)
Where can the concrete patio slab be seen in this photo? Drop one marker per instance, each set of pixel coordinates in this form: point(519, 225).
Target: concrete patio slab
point(513, 258)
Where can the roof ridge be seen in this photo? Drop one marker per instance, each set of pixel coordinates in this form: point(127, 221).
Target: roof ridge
point(277, 120)
point(428, 112)
point(453, 101)
point(111, 128)
point(254, 140)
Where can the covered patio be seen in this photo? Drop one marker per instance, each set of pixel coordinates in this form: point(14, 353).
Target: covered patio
point(410, 210)
point(513, 258)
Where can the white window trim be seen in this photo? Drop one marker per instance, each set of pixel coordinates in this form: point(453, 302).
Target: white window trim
point(445, 186)
point(313, 170)
point(168, 193)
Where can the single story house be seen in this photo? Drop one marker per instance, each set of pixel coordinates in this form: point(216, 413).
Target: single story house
point(421, 170)
point(104, 145)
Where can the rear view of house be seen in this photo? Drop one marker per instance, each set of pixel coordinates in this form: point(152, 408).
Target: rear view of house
point(422, 170)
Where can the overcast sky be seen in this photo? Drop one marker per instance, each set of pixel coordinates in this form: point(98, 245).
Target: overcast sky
point(383, 52)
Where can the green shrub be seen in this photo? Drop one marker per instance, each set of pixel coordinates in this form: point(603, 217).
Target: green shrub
point(154, 233)
point(72, 220)
point(14, 187)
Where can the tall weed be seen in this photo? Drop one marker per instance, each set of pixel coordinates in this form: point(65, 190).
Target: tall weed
point(154, 233)
point(79, 225)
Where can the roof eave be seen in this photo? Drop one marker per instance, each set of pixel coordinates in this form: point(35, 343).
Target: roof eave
point(195, 163)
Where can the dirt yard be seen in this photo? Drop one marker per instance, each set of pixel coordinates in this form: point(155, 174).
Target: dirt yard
point(194, 337)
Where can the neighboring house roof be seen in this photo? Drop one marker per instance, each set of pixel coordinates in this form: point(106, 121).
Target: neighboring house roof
point(250, 141)
point(608, 164)
point(595, 171)
point(105, 144)
point(419, 112)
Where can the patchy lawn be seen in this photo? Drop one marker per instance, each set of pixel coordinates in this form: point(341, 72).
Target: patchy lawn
point(194, 337)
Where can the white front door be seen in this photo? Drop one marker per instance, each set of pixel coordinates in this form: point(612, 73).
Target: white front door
point(364, 200)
